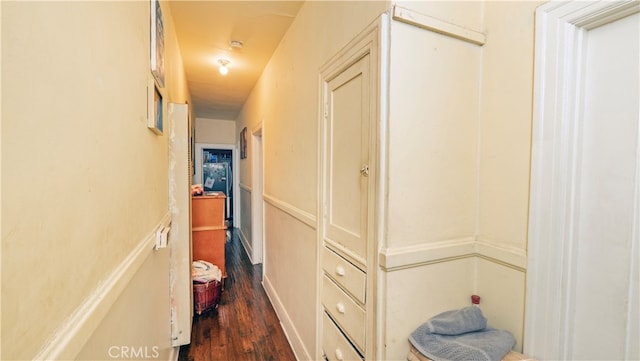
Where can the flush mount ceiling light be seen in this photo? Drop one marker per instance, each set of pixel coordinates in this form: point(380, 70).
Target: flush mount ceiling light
point(236, 44)
point(223, 66)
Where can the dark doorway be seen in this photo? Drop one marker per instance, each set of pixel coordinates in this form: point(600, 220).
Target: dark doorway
point(217, 175)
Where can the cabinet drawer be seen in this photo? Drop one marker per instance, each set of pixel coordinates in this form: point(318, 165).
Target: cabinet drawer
point(350, 277)
point(334, 344)
point(345, 311)
point(209, 246)
point(207, 211)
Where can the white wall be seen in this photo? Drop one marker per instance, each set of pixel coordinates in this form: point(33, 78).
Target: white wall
point(432, 137)
point(285, 100)
point(504, 161)
point(215, 131)
point(458, 161)
point(415, 294)
point(428, 248)
point(84, 181)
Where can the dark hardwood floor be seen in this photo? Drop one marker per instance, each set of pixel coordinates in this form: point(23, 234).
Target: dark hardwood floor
point(244, 326)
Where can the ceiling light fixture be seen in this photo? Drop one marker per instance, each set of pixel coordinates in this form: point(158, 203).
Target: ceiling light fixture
point(223, 66)
point(236, 44)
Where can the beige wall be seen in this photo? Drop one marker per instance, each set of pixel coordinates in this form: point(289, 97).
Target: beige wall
point(77, 159)
point(505, 115)
point(1, 180)
point(474, 177)
point(215, 131)
point(84, 180)
point(285, 101)
point(415, 294)
point(458, 161)
point(432, 137)
point(431, 207)
point(504, 158)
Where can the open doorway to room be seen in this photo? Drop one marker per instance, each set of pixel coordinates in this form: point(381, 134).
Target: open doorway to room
point(257, 218)
point(215, 170)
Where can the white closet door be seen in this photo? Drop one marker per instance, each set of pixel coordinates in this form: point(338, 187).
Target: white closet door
point(348, 119)
point(607, 193)
point(584, 229)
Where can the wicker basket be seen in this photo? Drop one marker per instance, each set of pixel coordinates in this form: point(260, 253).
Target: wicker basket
point(206, 295)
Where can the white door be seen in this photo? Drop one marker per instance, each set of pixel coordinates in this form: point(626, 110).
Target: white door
point(607, 193)
point(180, 234)
point(347, 158)
point(582, 296)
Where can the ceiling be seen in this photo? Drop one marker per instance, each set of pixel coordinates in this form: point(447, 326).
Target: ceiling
point(205, 30)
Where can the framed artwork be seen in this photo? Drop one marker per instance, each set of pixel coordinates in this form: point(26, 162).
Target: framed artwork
point(155, 107)
point(243, 143)
point(157, 42)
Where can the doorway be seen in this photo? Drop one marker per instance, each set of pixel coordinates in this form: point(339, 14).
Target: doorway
point(257, 218)
point(584, 236)
point(215, 169)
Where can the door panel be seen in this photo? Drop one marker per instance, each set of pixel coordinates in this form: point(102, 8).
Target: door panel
point(584, 230)
point(607, 189)
point(180, 234)
point(348, 157)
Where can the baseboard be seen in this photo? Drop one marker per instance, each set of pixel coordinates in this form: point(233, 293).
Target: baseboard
point(68, 340)
point(299, 350)
point(246, 245)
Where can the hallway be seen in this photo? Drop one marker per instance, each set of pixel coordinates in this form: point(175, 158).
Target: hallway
point(244, 326)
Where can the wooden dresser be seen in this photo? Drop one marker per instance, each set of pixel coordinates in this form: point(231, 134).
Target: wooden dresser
point(209, 232)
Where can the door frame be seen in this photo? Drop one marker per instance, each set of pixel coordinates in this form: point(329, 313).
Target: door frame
point(560, 52)
point(179, 241)
point(197, 179)
point(257, 199)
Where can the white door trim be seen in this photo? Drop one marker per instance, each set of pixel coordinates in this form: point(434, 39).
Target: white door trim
point(180, 234)
point(257, 201)
point(559, 62)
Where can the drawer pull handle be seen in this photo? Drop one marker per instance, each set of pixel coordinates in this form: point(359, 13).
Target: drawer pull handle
point(340, 271)
point(339, 355)
point(340, 307)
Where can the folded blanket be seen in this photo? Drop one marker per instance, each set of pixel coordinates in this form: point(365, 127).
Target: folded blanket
point(460, 335)
point(456, 322)
point(203, 272)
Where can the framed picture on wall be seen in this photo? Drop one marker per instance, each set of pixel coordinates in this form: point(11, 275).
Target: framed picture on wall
point(157, 42)
point(243, 143)
point(155, 107)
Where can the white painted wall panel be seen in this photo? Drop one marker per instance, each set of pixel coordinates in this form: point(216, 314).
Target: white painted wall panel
point(505, 123)
point(215, 131)
point(414, 295)
point(433, 124)
point(502, 292)
point(290, 264)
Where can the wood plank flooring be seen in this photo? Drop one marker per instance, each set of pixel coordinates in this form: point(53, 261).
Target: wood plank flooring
point(244, 326)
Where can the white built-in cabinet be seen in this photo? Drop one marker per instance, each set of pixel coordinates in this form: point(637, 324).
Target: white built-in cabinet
point(362, 89)
point(350, 109)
